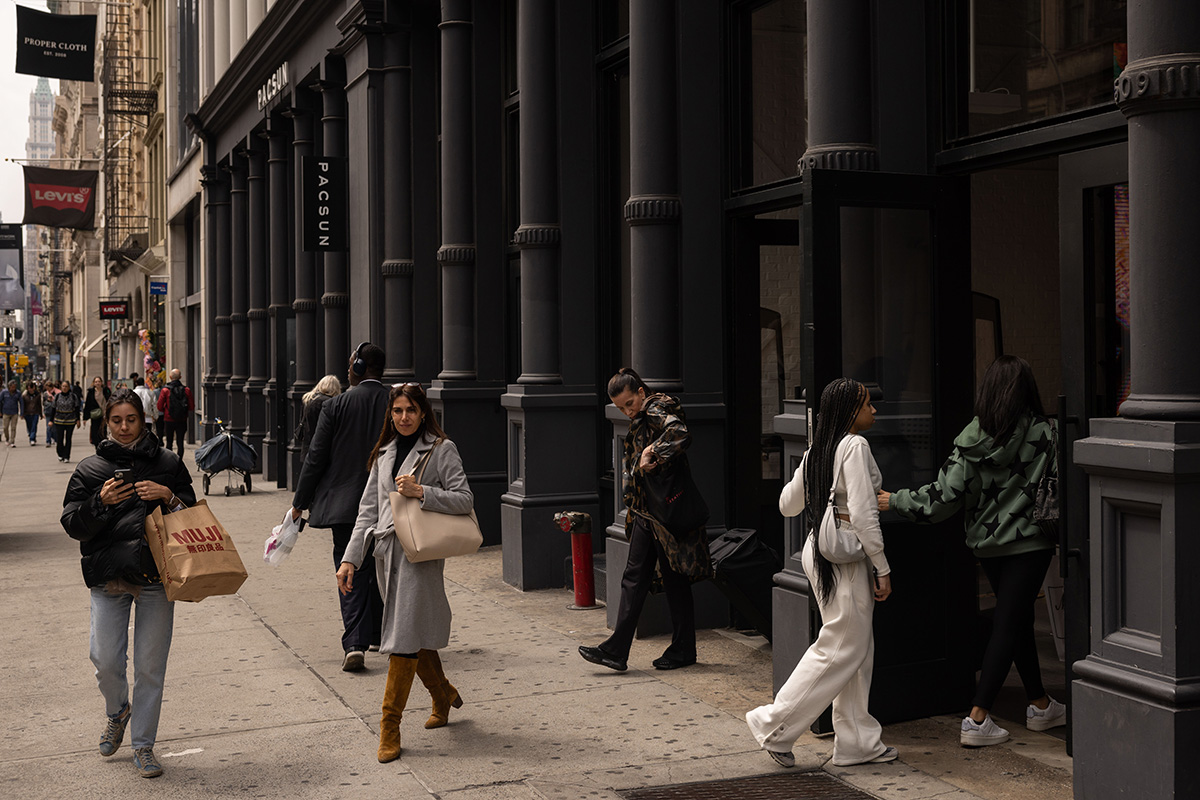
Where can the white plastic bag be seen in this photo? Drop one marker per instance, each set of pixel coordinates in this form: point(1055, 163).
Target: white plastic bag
point(282, 539)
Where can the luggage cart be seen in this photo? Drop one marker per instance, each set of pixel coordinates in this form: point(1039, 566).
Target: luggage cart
point(229, 454)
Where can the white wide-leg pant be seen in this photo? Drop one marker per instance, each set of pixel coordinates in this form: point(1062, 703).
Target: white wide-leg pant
point(836, 668)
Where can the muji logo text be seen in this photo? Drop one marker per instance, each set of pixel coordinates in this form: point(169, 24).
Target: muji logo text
point(198, 536)
point(60, 197)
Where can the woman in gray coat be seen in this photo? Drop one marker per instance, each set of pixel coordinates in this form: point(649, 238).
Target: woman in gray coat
point(416, 613)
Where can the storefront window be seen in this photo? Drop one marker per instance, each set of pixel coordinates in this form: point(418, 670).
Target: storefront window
point(771, 135)
point(1035, 59)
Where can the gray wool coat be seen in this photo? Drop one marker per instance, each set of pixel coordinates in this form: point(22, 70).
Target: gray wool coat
point(416, 613)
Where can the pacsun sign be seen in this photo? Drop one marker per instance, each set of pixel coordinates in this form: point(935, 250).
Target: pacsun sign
point(60, 198)
point(273, 86)
point(325, 195)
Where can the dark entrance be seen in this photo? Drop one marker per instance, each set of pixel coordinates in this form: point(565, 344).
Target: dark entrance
point(1094, 255)
point(887, 301)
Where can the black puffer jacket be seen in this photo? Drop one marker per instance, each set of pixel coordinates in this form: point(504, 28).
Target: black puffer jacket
point(112, 539)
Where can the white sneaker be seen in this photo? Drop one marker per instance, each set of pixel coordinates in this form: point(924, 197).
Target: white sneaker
point(974, 734)
point(1043, 719)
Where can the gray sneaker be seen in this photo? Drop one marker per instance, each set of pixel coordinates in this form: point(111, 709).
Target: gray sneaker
point(981, 734)
point(114, 732)
point(1043, 719)
point(145, 763)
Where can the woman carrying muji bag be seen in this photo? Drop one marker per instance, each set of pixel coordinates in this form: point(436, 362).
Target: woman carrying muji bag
point(416, 613)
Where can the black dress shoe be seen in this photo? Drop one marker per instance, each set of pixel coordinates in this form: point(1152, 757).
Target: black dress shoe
point(598, 656)
point(671, 662)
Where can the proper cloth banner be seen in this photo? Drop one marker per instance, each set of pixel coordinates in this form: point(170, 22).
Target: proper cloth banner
point(195, 556)
point(60, 198)
point(56, 45)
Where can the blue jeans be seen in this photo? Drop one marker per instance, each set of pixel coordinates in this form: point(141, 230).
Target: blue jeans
point(31, 423)
point(152, 627)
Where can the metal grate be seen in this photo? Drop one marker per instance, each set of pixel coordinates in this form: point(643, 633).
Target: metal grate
point(793, 786)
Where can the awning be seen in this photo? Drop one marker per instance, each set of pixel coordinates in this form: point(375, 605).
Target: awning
point(83, 351)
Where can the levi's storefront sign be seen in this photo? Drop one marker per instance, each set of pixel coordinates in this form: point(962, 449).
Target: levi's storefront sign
point(60, 198)
point(56, 45)
point(114, 309)
point(325, 203)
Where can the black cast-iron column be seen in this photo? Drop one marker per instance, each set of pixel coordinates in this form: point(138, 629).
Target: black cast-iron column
point(457, 253)
point(336, 299)
point(216, 203)
point(259, 341)
point(397, 267)
point(839, 87)
point(306, 303)
point(545, 418)
point(224, 307)
point(653, 208)
point(279, 213)
point(1136, 696)
point(235, 414)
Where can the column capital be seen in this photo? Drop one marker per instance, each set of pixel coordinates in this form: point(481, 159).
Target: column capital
point(534, 234)
point(1158, 83)
point(397, 267)
point(653, 208)
point(335, 300)
point(842, 155)
point(456, 254)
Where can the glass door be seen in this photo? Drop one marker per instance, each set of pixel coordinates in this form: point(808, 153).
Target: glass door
point(1094, 255)
point(887, 301)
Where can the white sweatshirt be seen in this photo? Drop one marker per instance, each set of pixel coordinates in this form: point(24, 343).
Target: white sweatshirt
point(858, 483)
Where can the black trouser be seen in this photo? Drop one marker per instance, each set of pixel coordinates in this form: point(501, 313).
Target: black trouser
point(644, 553)
point(362, 607)
point(63, 434)
point(97, 431)
point(178, 430)
point(158, 427)
point(1016, 581)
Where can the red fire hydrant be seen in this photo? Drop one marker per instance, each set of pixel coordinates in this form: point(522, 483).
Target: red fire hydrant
point(579, 525)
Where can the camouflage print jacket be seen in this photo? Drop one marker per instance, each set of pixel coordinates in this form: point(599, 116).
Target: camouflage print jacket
point(662, 427)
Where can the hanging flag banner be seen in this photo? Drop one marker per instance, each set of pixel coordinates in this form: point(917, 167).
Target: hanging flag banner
point(325, 193)
point(56, 45)
point(35, 301)
point(60, 198)
point(12, 277)
point(158, 287)
point(114, 309)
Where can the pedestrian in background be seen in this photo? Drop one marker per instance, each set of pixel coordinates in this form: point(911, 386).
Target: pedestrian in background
point(67, 417)
point(93, 408)
point(331, 483)
point(416, 613)
point(108, 518)
point(176, 405)
point(838, 666)
point(31, 408)
point(314, 401)
point(657, 434)
point(48, 395)
point(993, 474)
point(10, 408)
point(149, 400)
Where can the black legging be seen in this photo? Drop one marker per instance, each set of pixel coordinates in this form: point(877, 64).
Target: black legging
point(63, 434)
point(1016, 581)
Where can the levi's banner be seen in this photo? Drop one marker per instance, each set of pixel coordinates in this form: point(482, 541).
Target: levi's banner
point(60, 198)
point(56, 45)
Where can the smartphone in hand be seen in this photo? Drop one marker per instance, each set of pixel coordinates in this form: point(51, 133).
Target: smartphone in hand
point(122, 475)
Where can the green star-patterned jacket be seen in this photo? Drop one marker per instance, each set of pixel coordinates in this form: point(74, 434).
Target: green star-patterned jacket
point(995, 485)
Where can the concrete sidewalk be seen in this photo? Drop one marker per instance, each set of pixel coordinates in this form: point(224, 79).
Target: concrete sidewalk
point(256, 704)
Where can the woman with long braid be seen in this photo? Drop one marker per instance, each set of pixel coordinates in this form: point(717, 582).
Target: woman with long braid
point(836, 667)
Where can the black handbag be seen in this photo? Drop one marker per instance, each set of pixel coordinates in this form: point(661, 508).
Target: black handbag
point(672, 497)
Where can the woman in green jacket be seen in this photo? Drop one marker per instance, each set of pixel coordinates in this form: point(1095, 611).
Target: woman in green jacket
point(993, 475)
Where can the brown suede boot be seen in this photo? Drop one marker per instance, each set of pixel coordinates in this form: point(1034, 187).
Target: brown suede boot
point(429, 669)
point(395, 697)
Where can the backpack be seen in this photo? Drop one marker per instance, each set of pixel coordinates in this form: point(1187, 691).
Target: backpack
point(177, 405)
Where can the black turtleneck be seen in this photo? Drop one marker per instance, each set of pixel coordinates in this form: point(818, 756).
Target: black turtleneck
point(404, 445)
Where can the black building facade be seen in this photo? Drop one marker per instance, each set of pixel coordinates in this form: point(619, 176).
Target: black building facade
point(744, 200)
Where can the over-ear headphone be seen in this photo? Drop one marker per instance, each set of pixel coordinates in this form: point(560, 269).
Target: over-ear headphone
point(359, 366)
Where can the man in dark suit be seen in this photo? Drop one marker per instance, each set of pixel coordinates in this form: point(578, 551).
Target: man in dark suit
point(331, 483)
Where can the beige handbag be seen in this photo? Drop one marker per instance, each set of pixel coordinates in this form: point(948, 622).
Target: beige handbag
point(430, 535)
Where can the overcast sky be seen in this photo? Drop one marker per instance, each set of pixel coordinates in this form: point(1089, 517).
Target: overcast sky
point(14, 101)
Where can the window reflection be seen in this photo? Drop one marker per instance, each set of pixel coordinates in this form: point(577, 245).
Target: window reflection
point(772, 136)
point(1034, 59)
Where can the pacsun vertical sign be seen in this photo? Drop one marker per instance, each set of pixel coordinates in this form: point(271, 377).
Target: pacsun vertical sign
point(325, 202)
